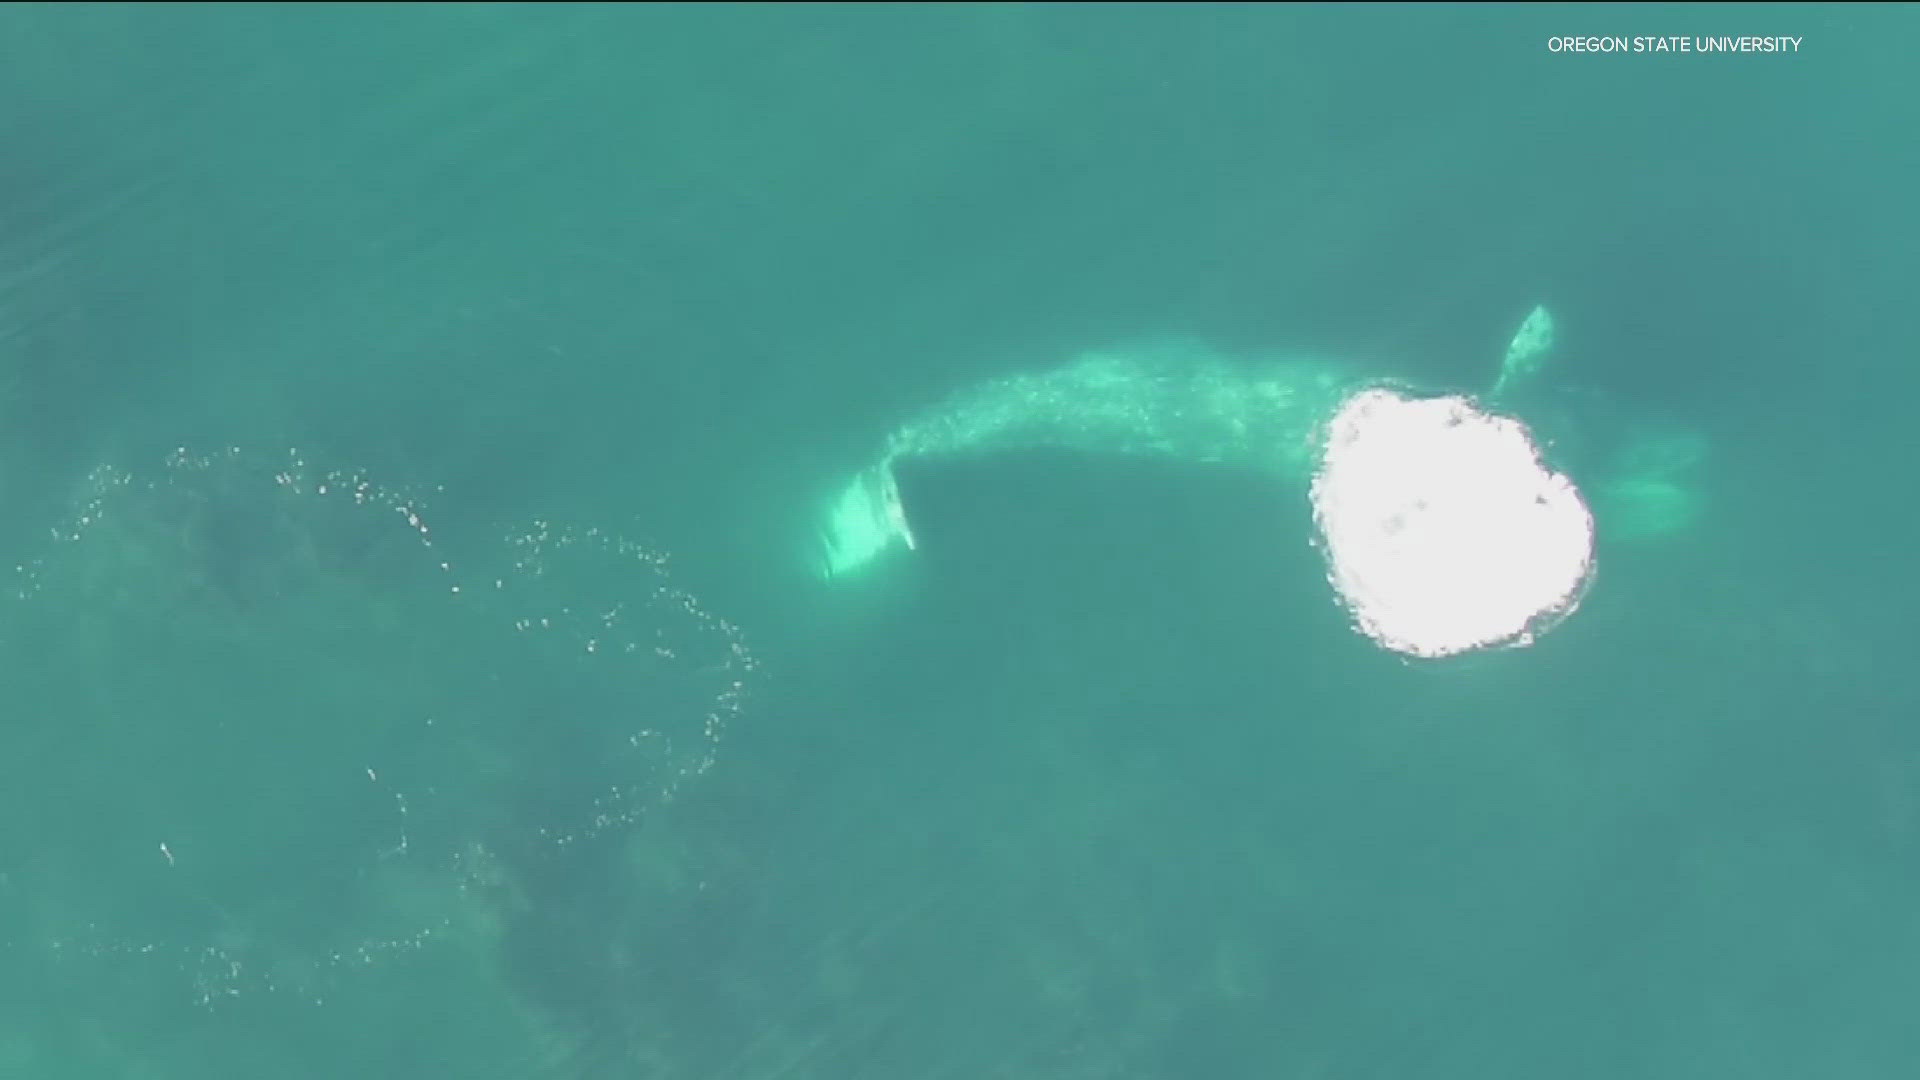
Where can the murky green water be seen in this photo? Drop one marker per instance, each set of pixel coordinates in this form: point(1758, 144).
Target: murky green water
point(415, 428)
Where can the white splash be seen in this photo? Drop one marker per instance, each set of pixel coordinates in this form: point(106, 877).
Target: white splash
point(1443, 531)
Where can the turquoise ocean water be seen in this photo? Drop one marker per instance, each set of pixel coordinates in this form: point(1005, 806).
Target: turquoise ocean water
point(311, 316)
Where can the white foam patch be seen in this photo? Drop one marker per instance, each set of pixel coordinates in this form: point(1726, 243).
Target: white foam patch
point(1443, 530)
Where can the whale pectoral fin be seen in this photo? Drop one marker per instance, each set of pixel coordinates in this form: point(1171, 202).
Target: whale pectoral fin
point(1528, 350)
